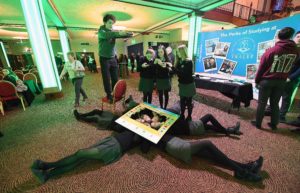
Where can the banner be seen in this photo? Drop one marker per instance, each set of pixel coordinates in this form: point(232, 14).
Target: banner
point(238, 51)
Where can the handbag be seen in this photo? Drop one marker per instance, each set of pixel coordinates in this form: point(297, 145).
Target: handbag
point(78, 74)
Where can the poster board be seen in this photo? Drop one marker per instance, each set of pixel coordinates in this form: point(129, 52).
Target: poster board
point(130, 121)
point(243, 46)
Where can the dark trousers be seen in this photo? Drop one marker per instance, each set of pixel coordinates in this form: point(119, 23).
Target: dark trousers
point(287, 95)
point(78, 89)
point(269, 89)
point(109, 69)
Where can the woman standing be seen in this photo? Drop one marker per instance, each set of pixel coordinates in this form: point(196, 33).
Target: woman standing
point(187, 88)
point(163, 83)
point(147, 74)
point(75, 70)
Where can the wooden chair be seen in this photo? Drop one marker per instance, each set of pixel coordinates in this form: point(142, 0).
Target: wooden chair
point(20, 75)
point(119, 93)
point(8, 92)
point(32, 70)
point(30, 76)
point(36, 73)
point(18, 71)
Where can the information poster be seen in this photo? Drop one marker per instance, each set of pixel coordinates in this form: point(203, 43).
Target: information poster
point(148, 121)
point(231, 51)
point(238, 51)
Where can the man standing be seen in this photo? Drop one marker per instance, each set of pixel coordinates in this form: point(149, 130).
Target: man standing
point(107, 40)
point(291, 85)
point(274, 68)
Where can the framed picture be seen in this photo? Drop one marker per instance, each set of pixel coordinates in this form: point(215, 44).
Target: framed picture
point(222, 49)
point(251, 71)
point(209, 63)
point(210, 46)
point(227, 67)
point(148, 121)
point(262, 47)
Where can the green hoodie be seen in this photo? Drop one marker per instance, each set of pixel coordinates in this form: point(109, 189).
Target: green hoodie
point(107, 41)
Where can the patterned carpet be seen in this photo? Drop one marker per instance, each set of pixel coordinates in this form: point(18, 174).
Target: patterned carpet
point(47, 130)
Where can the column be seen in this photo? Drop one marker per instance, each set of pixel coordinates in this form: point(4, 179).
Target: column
point(194, 29)
point(41, 45)
point(3, 56)
point(63, 36)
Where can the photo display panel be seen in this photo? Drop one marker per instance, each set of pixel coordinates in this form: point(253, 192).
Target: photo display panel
point(148, 121)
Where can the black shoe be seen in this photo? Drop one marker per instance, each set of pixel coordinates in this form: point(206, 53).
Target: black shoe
point(128, 99)
point(255, 125)
point(76, 114)
point(273, 127)
point(188, 118)
point(234, 130)
point(255, 166)
point(110, 99)
point(282, 120)
point(40, 175)
point(1, 134)
point(247, 176)
point(182, 117)
point(294, 123)
point(295, 130)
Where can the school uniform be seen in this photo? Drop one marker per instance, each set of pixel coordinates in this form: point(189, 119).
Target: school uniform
point(162, 78)
point(147, 75)
point(186, 80)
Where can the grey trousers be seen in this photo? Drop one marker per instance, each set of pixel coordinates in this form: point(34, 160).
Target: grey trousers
point(289, 89)
point(109, 69)
point(269, 89)
point(78, 89)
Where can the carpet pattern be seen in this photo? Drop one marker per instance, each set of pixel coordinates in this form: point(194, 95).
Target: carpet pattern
point(47, 130)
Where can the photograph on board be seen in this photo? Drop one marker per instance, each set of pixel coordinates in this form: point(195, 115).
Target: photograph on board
point(210, 46)
point(209, 63)
point(221, 50)
point(251, 71)
point(262, 47)
point(227, 67)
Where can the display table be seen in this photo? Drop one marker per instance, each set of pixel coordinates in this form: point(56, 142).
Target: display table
point(237, 91)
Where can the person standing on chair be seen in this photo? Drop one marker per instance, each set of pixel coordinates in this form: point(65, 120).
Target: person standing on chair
point(187, 88)
point(163, 83)
point(274, 68)
point(107, 40)
point(75, 70)
point(147, 75)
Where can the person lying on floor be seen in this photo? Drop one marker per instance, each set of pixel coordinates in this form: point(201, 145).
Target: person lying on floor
point(105, 119)
point(112, 148)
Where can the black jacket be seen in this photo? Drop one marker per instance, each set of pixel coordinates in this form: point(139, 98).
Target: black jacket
point(148, 72)
point(162, 73)
point(184, 71)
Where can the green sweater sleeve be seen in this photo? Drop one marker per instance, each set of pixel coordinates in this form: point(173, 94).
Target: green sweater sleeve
point(102, 34)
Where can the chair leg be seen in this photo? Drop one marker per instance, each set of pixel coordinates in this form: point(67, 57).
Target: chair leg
point(23, 105)
point(1, 108)
point(112, 108)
